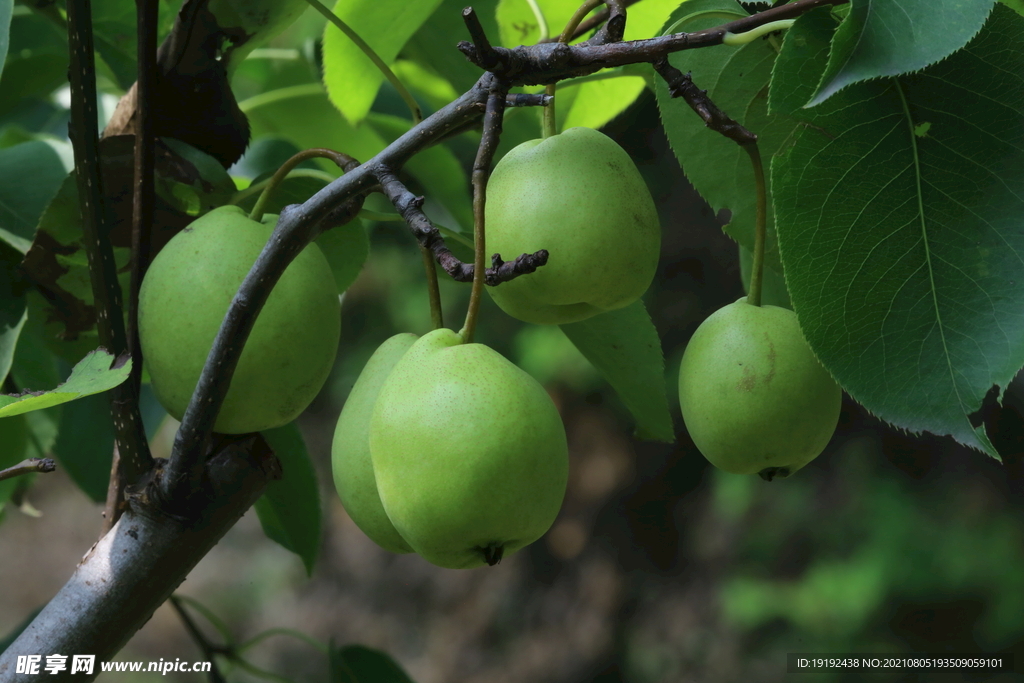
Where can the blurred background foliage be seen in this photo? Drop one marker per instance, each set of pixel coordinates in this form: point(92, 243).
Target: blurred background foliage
point(659, 568)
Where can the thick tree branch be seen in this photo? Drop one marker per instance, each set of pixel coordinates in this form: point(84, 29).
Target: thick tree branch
point(143, 203)
point(84, 133)
point(131, 571)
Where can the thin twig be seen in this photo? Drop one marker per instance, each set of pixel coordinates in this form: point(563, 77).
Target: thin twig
point(482, 46)
point(682, 86)
point(410, 208)
point(528, 100)
point(481, 172)
point(27, 467)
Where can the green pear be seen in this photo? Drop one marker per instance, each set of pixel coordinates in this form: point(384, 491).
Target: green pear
point(753, 396)
point(350, 453)
point(578, 195)
point(469, 452)
point(185, 295)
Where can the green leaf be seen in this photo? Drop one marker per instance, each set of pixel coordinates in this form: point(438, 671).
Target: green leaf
point(346, 248)
point(294, 189)
point(899, 208)
point(303, 115)
point(359, 664)
point(351, 78)
point(254, 22)
point(37, 61)
point(625, 348)
point(34, 362)
point(114, 30)
point(736, 80)
point(599, 102)
point(893, 37)
point(92, 375)
point(443, 28)
point(1016, 5)
point(6, 9)
point(30, 175)
point(289, 509)
point(85, 444)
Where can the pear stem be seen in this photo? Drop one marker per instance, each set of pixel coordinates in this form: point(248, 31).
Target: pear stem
point(410, 101)
point(481, 172)
point(760, 225)
point(549, 126)
point(433, 291)
point(340, 158)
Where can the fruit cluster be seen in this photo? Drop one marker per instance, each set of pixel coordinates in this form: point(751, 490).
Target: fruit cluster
point(444, 447)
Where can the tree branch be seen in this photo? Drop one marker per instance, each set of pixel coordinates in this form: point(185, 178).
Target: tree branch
point(546, 63)
point(132, 570)
point(84, 132)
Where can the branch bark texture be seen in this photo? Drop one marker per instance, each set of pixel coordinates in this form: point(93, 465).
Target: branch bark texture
point(134, 568)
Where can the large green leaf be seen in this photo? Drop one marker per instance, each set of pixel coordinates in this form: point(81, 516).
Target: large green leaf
point(359, 664)
point(85, 444)
point(434, 44)
point(625, 348)
point(893, 37)
point(37, 61)
point(34, 362)
point(591, 104)
point(736, 79)
point(92, 375)
point(254, 22)
point(6, 9)
point(346, 248)
point(289, 509)
point(900, 212)
point(114, 30)
point(1016, 5)
point(518, 24)
point(351, 78)
point(303, 115)
point(30, 175)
